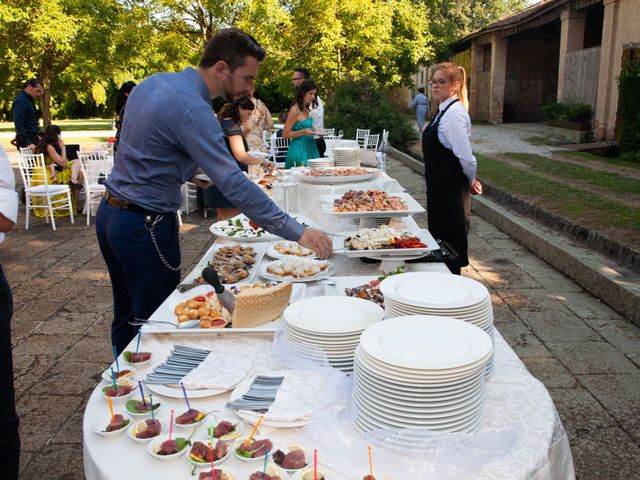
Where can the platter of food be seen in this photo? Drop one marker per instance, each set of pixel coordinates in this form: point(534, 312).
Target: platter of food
point(295, 270)
point(386, 241)
point(331, 175)
point(370, 203)
point(242, 229)
point(258, 309)
point(288, 249)
point(234, 263)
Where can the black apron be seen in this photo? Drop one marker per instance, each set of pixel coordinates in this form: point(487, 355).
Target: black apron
point(447, 189)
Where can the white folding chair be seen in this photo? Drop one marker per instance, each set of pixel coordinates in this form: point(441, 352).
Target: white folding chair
point(324, 132)
point(279, 149)
point(371, 142)
point(266, 139)
point(26, 151)
point(38, 192)
point(93, 169)
point(189, 192)
point(361, 136)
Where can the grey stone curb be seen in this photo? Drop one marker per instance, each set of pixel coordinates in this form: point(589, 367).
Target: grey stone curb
point(615, 285)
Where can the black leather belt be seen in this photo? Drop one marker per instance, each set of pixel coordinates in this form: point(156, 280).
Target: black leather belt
point(126, 205)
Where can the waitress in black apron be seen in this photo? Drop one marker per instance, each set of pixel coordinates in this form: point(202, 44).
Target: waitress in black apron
point(450, 167)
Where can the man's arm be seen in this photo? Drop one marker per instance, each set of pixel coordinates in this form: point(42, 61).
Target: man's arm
point(8, 195)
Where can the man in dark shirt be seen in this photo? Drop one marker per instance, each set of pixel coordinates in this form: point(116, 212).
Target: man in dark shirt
point(169, 131)
point(25, 115)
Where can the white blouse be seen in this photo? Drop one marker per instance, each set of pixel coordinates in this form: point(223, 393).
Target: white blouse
point(317, 114)
point(454, 132)
point(8, 194)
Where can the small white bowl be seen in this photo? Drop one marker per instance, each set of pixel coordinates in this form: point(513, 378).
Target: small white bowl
point(225, 438)
point(121, 399)
point(190, 425)
point(291, 447)
point(138, 364)
point(142, 414)
point(154, 446)
point(308, 471)
point(134, 428)
point(106, 375)
point(241, 441)
point(273, 469)
point(100, 427)
point(208, 464)
point(223, 471)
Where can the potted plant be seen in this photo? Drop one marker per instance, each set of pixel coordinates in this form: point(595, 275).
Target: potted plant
point(568, 122)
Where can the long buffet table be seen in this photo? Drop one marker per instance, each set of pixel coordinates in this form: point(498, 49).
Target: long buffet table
point(520, 436)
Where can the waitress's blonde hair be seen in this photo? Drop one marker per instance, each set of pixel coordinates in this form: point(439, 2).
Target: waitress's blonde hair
point(454, 73)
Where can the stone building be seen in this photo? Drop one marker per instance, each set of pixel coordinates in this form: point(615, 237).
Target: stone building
point(555, 50)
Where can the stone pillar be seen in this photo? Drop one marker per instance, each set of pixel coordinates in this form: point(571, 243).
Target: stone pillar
point(498, 78)
point(476, 67)
point(571, 39)
point(604, 124)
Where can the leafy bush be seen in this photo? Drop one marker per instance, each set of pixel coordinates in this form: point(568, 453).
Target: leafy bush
point(573, 112)
point(358, 104)
point(629, 107)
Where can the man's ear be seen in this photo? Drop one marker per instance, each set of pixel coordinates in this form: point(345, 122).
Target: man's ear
point(220, 68)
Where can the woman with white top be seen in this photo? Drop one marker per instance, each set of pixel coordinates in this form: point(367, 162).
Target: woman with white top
point(450, 167)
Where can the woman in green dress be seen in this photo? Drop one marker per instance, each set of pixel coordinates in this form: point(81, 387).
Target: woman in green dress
point(298, 127)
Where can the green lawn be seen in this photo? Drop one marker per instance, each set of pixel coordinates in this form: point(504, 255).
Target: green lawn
point(589, 157)
point(609, 181)
point(70, 125)
point(581, 206)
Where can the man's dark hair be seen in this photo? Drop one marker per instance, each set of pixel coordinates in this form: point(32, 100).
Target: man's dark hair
point(421, 90)
point(232, 46)
point(32, 82)
point(304, 72)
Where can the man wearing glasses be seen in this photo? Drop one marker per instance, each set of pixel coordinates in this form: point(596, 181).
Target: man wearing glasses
point(301, 74)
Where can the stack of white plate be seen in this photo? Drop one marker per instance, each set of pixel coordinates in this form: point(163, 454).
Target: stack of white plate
point(330, 327)
point(346, 156)
point(421, 372)
point(443, 294)
point(320, 162)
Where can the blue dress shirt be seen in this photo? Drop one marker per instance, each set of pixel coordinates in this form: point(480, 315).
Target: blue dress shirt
point(170, 128)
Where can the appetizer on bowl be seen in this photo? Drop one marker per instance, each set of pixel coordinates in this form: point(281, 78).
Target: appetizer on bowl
point(292, 460)
point(200, 454)
point(220, 474)
point(162, 448)
point(255, 450)
point(117, 425)
point(144, 430)
point(190, 418)
point(119, 392)
point(123, 375)
point(273, 472)
point(307, 474)
point(139, 359)
point(225, 429)
point(139, 408)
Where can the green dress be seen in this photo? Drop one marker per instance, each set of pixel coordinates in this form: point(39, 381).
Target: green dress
point(301, 148)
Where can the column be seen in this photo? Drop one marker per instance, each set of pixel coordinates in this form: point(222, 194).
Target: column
point(571, 39)
point(498, 78)
point(605, 116)
point(476, 67)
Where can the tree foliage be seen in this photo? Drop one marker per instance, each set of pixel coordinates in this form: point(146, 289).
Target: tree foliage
point(84, 49)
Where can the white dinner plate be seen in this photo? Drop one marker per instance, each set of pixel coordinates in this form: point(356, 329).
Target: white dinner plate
point(436, 290)
point(174, 391)
point(331, 179)
point(259, 154)
point(395, 253)
point(324, 274)
point(273, 253)
point(428, 342)
point(238, 229)
point(413, 207)
point(333, 314)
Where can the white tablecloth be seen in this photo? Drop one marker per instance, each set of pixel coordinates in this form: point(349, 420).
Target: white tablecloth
point(304, 199)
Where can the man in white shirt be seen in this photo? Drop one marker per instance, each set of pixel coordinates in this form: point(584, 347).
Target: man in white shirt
point(9, 438)
point(301, 74)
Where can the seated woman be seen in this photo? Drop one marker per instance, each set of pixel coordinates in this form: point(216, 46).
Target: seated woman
point(231, 117)
point(60, 170)
point(298, 127)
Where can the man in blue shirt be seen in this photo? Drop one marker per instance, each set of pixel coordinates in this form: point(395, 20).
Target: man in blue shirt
point(25, 115)
point(169, 131)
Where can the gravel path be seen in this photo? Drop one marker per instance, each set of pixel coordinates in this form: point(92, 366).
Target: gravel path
point(512, 137)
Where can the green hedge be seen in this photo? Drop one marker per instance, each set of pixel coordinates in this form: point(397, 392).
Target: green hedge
point(358, 104)
point(629, 107)
point(573, 112)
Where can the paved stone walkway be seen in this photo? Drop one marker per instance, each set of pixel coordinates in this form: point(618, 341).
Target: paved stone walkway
point(585, 353)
